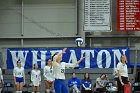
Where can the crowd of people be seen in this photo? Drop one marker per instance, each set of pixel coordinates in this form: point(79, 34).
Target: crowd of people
point(54, 77)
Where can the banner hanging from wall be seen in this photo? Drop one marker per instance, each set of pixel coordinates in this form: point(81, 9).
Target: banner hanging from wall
point(128, 15)
point(94, 57)
point(97, 15)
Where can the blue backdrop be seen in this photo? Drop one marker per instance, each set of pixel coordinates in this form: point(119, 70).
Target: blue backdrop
point(94, 57)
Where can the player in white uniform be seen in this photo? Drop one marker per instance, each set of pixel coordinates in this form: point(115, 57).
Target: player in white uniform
point(122, 74)
point(36, 79)
point(19, 77)
point(59, 71)
point(49, 76)
point(1, 80)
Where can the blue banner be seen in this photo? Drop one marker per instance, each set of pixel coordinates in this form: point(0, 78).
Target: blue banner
point(94, 57)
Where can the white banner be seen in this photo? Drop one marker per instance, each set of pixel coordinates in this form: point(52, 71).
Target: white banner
point(97, 15)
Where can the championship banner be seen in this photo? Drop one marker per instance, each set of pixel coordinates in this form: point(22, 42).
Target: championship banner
point(128, 15)
point(97, 15)
point(94, 57)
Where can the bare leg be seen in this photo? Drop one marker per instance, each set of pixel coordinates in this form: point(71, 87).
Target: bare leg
point(20, 87)
point(52, 86)
point(38, 88)
point(47, 84)
point(33, 88)
point(17, 85)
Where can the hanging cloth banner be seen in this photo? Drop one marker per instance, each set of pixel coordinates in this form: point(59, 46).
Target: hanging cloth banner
point(94, 57)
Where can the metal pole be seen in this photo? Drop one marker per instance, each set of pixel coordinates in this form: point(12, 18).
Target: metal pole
point(83, 33)
point(90, 42)
point(135, 65)
point(77, 16)
point(22, 24)
point(22, 18)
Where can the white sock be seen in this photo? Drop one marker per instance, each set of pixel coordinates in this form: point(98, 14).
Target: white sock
point(33, 92)
point(48, 90)
point(17, 91)
point(20, 91)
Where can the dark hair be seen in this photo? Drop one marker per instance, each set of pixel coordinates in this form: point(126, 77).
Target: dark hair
point(87, 79)
point(18, 61)
point(73, 73)
point(34, 65)
point(47, 61)
point(54, 55)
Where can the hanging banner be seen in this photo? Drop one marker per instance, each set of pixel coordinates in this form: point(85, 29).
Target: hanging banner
point(128, 15)
point(94, 57)
point(97, 15)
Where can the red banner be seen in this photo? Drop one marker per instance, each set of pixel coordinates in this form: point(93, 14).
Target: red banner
point(128, 15)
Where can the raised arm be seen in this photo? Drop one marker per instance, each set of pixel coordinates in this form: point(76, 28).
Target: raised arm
point(63, 51)
point(68, 65)
point(56, 55)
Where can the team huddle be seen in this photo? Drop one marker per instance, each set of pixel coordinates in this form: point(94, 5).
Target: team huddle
point(53, 72)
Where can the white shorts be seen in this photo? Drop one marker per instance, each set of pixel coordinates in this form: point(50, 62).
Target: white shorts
point(36, 83)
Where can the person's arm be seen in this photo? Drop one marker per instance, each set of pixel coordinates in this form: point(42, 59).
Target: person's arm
point(90, 84)
point(23, 75)
point(56, 56)
point(83, 86)
point(119, 73)
point(120, 78)
point(72, 65)
point(40, 76)
point(1, 76)
point(69, 83)
point(63, 51)
point(32, 76)
point(44, 71)
point(128, 79)
point(78, 83)
point(98, 82)
point(14, 75)
point(107, 79)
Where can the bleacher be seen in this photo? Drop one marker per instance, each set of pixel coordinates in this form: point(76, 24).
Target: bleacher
point(94, 73)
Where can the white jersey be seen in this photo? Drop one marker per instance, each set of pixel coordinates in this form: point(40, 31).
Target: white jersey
point(1, 76)
point(123, 69)
point(35, 75)
point(48, 73)
point(59, 68)
point(18, 72)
